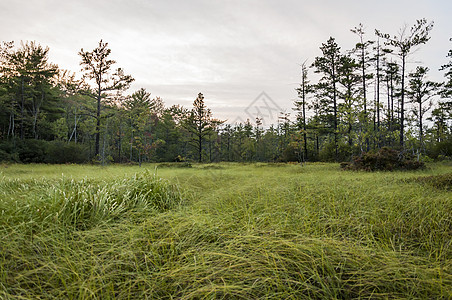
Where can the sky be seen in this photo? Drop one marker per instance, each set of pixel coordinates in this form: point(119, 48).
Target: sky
point(244, 56)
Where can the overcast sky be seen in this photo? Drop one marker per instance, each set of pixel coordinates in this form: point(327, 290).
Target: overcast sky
point(231, 51)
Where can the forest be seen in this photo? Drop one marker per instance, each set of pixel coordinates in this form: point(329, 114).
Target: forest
point(361, 100)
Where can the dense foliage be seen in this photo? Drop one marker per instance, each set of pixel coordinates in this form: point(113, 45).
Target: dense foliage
point(384, 159)
point(52, 115)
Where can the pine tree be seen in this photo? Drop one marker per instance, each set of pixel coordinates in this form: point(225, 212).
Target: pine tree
point(29, 89)
point(326, 89)
point(392, 78)
point(350, 79)
point(98, 67)
point(200, 123)
point(404, 43)
point(420, 91)
point(301, 105)
point(361, 50)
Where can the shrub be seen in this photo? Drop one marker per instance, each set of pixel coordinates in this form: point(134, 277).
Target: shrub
point(7, 153)
point(328, 152)
point(4, 156)
point(59, 152)
point(175, 165)
point(290, 153)
point(32, 151)
point(180, 159)
point(385, 159)
point(40, 151)
point(25, 151)
point(441, 150)
point(443, 181)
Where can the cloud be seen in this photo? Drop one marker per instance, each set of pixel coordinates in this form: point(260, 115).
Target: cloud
point(229, 50)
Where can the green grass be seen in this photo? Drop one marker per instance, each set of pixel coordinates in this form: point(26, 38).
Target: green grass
point(224, 231)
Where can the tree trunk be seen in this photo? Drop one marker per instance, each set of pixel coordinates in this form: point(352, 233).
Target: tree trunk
point(335, 110)
point(75, 125)
point(363, 65)
point(200, 145)
point(304, 120)
point(131, 147)
point(378, 94)
point(11, 124)
point(392, 104)
point(120, 142)
point(22, 113)
point(402, 102)
point(421, 134)
point(350, 141)
point(388, 115)
point(35, 115)
point(98, 120)
point(317, 144)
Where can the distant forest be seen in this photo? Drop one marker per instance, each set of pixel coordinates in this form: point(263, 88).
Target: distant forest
point(365, 99)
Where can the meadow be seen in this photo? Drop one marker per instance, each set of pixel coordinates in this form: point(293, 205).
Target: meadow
point(224, 231)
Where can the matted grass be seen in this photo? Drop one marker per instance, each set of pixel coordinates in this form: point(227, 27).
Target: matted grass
point(246, 231)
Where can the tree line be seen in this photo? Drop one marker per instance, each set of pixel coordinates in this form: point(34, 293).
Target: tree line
point(364, 99)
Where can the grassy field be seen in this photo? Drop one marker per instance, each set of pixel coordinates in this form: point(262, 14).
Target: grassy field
point(224, 231)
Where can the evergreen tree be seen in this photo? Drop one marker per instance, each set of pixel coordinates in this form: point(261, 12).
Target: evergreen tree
point(365, 60)
point(349, 79)
point(258, 131)
point(420, 91)
point(441, 117)
point(404, 43)
point(446, 92)
point(301, 106)
point(201, 123)
point(28, 87)
point(327, 87)
point(392, 78)
point(138, 107)
point(97, 67)
point(378, 60)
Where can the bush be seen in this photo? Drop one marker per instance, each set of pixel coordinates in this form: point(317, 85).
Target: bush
point(32, 151)
point(441, 150)
point(59, 152)
point(175, 165)
point(385, 159)
point(328, 152)
point(4, 156)
point(40, 151)
point(290, 153)
point(7, 152)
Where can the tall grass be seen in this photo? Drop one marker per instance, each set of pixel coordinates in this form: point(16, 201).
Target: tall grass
point(226, 231)
point(82, 204)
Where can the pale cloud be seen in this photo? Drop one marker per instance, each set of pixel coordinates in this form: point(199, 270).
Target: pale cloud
point(229, 50)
